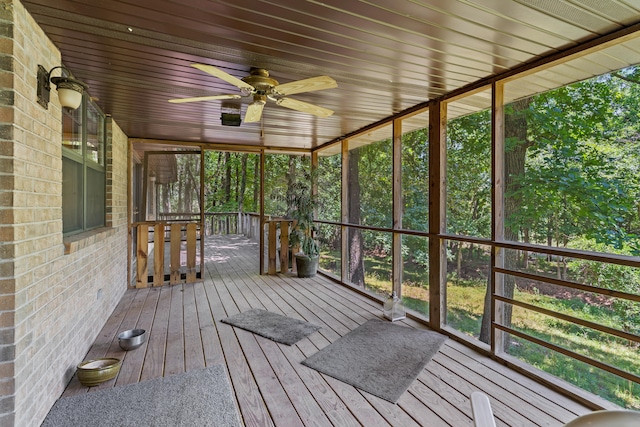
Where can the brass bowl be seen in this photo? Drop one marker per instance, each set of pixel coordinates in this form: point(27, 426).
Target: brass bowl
point(97, 371)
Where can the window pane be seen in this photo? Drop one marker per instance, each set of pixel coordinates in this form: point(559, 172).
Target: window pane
point(232, 181)
point(600, 274)
point(467, 279)
point(415, 172)
point(95, 198)
point(72, 130)
point(571, 165)
point(281, 171)
point(95, 134)
point(415, 273)
point(370, 186)
point(71, 196)
point(177, 185)
point(370, 260)
point(329, 238)
point(595, 380)
point(469, 166)
point(329, 186)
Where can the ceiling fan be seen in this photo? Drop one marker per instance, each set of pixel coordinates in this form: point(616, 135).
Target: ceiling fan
point(262, 87)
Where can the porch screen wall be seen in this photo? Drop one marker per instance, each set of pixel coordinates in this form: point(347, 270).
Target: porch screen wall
point(571, 191)
point(414, 212)
point(468, 213)
point(329, 210)
point(370, 190)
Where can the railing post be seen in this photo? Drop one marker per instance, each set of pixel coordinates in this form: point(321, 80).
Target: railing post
point(142, 256)
point(174, 244)
point(158, 254)
point(272, 248)
point(191, 252)
point(284, 246)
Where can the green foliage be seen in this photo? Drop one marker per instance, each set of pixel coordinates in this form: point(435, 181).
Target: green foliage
point(581, 173)
point(227, 186)
point(303, 203)
point(469, 175)
point(329, 194)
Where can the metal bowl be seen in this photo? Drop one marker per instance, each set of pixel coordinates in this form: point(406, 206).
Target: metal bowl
point(132, 339)
point(96, 371)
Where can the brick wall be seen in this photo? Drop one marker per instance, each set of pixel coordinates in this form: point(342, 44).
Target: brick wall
point(55, 295)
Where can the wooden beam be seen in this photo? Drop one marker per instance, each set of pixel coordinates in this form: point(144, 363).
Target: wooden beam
point(437, 215)
point(396, 250)
point(129, 213)
point(344, 213)
point(261, 237)
point(202, 216)
point(497, 219)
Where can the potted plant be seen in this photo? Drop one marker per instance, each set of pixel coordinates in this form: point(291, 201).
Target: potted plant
point(302, 210)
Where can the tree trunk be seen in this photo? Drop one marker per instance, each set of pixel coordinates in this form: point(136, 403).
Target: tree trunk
point(256, 182)
point(217, 181)
point(243, 182)
point(227, 177)
point(515, 132)
point(356, 244)
point(291, 180)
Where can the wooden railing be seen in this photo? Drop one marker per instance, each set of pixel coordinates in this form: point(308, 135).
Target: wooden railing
point(279, 254)
point(160, 252)
point(221, 223)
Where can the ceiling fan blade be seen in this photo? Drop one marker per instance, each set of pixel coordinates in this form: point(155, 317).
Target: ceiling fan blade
point(210, 69)
point(306, 85)
point(254, 112)
point(305, 107)
point(203, 98)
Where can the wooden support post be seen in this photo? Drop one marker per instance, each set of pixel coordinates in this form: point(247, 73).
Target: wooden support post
point(158, 254)
point(497, 219)
point(191, 252)
point(344, 214)
point(261, 226)
point(397, 208)
point(142, 254)
point(272, 244)
point(437, 214)
point(174, 245)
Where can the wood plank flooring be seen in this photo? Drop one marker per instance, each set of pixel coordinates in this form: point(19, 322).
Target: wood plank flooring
point(271, 386)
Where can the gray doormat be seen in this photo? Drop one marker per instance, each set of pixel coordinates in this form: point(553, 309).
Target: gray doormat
point(378, 357)
point(196, 398)
point(282, 329)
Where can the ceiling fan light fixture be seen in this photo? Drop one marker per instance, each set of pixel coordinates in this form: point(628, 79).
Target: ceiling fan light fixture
point(230, 119)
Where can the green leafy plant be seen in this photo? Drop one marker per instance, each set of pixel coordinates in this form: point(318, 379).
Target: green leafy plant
point(303, 203)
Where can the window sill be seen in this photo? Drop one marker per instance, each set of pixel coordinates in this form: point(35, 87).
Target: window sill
point(77, 242)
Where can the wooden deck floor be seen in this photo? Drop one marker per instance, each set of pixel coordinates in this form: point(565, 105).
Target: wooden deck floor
point(272, 388)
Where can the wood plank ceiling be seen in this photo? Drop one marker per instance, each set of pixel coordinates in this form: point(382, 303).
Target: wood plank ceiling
point(386, 55)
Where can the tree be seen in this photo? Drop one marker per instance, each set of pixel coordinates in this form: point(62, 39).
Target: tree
point(356, 245)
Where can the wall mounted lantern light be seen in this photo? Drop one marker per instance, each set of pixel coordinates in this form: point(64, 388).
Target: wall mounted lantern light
point(69, 89)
